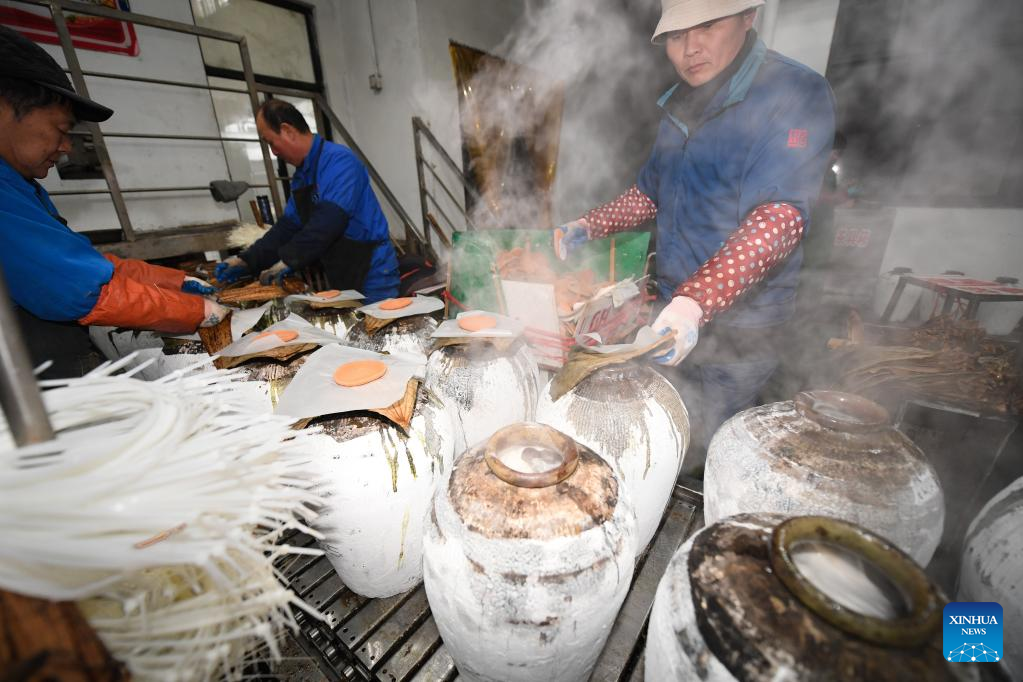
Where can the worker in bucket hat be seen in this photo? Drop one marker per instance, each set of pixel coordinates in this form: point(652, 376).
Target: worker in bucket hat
point(57, 280)
point(742, 147)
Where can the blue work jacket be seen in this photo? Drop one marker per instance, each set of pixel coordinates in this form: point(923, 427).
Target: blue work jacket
point(51, 271)
point(344, 206)
point(765, 136)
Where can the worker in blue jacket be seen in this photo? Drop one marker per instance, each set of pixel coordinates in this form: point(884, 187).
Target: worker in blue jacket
point(58, 282)
point(332, 218)
point(735, 169)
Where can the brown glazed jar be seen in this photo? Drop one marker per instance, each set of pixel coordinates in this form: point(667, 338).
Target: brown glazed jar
point(761, 598)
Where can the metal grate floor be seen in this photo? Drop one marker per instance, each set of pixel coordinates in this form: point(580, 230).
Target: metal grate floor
point(396, 639)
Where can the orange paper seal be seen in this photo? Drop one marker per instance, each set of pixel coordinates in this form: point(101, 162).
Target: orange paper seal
point(395, 303)
point(330, 293)
point(475, 323)
point(359, 372)
point(284, 335)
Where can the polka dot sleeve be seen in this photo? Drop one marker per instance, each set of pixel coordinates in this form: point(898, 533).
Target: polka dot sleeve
point(631, 209)
point(766, 237)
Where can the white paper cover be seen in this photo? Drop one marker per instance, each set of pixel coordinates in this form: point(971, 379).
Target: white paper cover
point(241, 322)
point(421, 305)
point(346, 295)
point(307, 333)
point(506, 327)
point(313, 392)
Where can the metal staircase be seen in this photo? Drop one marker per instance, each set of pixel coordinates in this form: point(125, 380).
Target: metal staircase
point(417, 239)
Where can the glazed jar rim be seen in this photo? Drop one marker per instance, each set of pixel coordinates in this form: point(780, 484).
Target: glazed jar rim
point(521, 434)
point(924, 605)
point(844, 412)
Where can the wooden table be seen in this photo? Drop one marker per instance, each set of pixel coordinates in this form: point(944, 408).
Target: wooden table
point(975, 291)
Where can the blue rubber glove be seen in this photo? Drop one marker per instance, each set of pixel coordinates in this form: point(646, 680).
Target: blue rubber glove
point(568, 238)
point(231, 270)
point(199, 287)
point(275, 274)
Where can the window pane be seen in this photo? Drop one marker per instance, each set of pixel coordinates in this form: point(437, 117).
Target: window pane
point(305, 107)
point(277, 37)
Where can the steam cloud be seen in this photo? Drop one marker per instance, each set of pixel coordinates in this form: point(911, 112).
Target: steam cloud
point(599, 52)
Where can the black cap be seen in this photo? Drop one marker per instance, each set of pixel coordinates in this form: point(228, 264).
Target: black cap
point(21, 58)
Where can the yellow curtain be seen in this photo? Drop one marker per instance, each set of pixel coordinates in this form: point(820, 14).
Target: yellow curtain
point(511, 126)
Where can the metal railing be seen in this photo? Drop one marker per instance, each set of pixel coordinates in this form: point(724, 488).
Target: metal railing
point(429, 203)
point(74, 67)
point(413, 237)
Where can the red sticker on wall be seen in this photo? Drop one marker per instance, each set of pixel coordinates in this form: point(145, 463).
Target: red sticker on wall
point(797, 137)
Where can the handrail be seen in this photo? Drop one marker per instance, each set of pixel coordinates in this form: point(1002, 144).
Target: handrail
point(421, 131)
point(420, 127)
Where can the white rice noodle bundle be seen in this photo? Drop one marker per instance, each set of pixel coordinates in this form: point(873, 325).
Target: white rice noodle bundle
point(158, 507)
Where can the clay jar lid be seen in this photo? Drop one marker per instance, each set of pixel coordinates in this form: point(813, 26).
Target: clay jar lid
point(475, 323)
point(359, 373)
point(284, 335)
point(329, 293)
point(395, 303)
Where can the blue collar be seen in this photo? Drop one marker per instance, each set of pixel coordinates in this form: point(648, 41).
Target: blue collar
point(736, 91)
point(28, 187)
point(307, 169)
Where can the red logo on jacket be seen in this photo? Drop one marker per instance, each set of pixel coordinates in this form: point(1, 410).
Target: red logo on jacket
point(797, 138)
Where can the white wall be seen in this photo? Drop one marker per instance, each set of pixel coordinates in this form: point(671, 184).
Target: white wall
point(983, 243)
point(802, 30)
point(144, 108)
point(412, 43)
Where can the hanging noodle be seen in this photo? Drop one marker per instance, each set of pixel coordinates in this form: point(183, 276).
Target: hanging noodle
point(157, 508)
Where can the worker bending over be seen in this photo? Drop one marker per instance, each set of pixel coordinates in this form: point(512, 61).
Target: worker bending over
point(57, 280)
point(332, 217)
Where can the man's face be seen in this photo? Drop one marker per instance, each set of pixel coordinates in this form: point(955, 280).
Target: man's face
point(284, 144)
point(702, 52)
point(33, 144)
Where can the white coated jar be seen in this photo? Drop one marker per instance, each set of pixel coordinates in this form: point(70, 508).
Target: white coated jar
point(528, 557)
point(992, 567)
point(634, 418)
point(378, 482)
point(485, 385)
point(832, 454)
point(406, 334)
point(765, 598)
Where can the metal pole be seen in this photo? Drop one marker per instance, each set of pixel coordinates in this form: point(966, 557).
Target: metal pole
point(95, 10)
point(20, 397)
point(440, 181)
point(422, 185)
point(159, 81)
point(250, 83)
point(167, 136)
point(422, 127)
point(97, 135)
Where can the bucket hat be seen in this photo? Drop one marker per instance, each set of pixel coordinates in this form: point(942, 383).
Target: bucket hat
point(678, 15)
point(23, 59)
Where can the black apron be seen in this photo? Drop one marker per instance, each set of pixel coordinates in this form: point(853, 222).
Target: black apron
point(346, 262)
